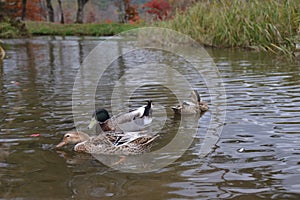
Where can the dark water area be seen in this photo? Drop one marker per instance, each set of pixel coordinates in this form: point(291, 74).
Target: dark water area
point(256, 157)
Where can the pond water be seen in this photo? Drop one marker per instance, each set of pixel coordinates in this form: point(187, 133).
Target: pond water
point(256, 157)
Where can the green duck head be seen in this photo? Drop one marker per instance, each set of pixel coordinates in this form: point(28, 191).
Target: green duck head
point(100, 115)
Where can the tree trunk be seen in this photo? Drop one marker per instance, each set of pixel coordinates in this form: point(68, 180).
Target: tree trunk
point(50, 11)
point(23, 9)
point(121, 10)
point(62, 19)
point(79, 16)
point(126, 6)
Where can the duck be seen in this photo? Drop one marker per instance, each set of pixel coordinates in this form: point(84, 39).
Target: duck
point(141, 117)
point(194, 107)
point(107, 144)
point(2, 52)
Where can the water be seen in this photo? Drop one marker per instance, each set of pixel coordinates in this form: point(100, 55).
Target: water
point(257, 156)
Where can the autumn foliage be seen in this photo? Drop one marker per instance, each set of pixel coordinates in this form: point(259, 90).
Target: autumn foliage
point(34, 11)
point(159, 9)
point(166, 9)
point(131, 12)
point(127, 11)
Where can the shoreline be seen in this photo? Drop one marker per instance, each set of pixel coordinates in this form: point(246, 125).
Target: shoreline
point(105, 29)
point(11, 30)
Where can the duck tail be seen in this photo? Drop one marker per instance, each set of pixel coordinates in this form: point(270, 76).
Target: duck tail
point(196, 96)
point(148, 107)
point(176, 109)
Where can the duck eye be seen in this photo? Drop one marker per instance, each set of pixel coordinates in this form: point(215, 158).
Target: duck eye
point(67, 135)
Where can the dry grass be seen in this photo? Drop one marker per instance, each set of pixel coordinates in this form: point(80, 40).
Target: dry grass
point(270, 25)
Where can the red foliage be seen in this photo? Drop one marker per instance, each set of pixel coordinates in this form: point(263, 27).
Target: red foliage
point(108, 21)
point(34, 10)
point(159, 8)
point(130, 11)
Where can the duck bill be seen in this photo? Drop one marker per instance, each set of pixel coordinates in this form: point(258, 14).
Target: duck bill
point(61, 144)
point(92, 123)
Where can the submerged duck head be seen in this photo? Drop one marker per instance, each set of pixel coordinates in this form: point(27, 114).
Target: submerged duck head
point(100, 115)
point(73, 137)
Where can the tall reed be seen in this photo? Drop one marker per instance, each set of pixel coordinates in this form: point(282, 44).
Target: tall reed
point(271, 25)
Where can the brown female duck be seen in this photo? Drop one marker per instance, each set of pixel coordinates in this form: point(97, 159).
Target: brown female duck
point(110, 143)
point(194, 107)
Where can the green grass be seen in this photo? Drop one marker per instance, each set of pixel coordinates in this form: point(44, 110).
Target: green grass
point(44, 28)
point(12, 29)
point(270, 25)
point(7, 30)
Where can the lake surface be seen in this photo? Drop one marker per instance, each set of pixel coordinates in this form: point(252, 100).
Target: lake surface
point(256, 157)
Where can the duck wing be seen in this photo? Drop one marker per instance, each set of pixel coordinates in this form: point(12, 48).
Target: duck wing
point(134, 120)
point(137, 145)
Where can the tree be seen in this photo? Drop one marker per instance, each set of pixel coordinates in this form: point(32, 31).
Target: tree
point(166, 9)
point(35, 11)
point(31, 10)
point(50, 11)
point(79, 16)
point(23, 9)
point(127, 11)
point(62, 19)
point(160, 9)
point(131, 12)
point(11, 8)
point(121, 10)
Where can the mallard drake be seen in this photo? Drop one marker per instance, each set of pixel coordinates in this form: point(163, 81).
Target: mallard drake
point(196, 106)
point(141, 117)
point(107, 144)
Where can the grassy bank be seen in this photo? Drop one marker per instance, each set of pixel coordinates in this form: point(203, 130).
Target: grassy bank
point(10, 28)
point(44, 28)
point(265, 25)
point(8, 31)
point(261, 25)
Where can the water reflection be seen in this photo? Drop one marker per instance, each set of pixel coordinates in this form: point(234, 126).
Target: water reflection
point(263, 118)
